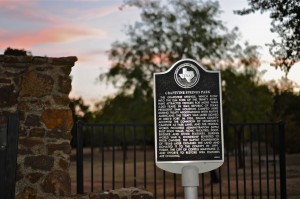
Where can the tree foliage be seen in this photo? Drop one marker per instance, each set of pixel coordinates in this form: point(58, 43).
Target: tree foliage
point(286, 107)
point(166, 34)
point(125, 108)
point(285, 17)
point(80, 112)
point(244, 98)
point(189, 29)
point(16, 52)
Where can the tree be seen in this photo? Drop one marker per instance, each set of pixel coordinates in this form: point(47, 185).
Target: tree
point(186, 29)
point(167, 33)
point(285, 17)
point(80, 112)
point(244, 98)
point(286, 107)
point(16, 52)
point(124, 108)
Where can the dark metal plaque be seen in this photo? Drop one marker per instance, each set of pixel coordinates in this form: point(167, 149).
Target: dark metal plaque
point(188, 114)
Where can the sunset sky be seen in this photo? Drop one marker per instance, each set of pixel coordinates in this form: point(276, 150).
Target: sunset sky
point(87, 28)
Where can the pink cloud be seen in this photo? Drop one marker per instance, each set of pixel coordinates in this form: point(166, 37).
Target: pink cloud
point(92, 13)
point(50, 35)
point(32, 10)
point(101, 12)
point(2, 32)
point(92, 55)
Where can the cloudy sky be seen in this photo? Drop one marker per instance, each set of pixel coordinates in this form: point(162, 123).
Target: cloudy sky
point(86, 29)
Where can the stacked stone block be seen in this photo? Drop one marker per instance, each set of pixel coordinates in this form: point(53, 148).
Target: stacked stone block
point(38, 88)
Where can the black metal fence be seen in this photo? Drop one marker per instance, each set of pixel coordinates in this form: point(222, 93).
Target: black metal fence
point(111, 156)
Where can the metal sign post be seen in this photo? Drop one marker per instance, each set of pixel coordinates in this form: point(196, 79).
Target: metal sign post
point(190, 182)
point(188, 122)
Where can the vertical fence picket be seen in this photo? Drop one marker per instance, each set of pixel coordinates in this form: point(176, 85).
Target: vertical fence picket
point(282, 160)
point(227, 161)
point(102, 158)
point(92, 157)
point(175, 188)
point(154, 176)
point(164, 184)
point(251, 160)
point(124, 156)
point(203, 186)
point(145, 156)
point(236, 162)
point(211, 185)
point(113, 157)
point(244, 161)
point(79, 157)
point(274, 165)
point(267, 161)
point(134, 156)
point(220, 182)
point(259, 162)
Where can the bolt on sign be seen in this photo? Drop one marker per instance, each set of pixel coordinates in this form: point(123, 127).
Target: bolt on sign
point(188, 118)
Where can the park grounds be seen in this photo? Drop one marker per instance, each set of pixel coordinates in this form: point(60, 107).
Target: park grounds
point(163, 184)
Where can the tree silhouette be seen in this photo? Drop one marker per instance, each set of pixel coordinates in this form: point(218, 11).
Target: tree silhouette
point(16, 52)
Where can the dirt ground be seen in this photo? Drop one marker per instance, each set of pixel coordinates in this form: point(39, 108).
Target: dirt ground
point(143, 173)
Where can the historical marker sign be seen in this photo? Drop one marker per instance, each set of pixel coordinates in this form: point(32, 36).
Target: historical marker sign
point(188, 118)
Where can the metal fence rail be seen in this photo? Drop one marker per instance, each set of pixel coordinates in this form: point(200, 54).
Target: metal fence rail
point(111, 156)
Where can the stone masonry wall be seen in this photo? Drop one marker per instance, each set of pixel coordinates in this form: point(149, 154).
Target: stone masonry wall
point(38, 88)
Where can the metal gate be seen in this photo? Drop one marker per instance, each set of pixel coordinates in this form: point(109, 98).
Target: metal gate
point(111, 156)
point(8, 155)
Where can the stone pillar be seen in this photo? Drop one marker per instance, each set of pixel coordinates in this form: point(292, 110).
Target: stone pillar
point(38, 88)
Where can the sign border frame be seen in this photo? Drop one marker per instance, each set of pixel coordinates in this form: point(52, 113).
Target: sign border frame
point(203, 165)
